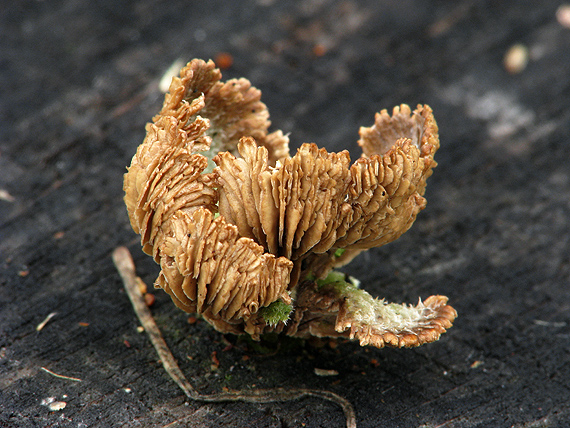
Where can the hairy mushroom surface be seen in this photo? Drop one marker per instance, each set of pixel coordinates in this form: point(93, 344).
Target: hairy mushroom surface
point(248, 236)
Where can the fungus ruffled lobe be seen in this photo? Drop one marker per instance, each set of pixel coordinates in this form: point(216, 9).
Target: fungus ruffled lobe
point(263, 228)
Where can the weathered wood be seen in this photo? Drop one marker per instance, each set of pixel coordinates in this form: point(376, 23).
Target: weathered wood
point(79, 80)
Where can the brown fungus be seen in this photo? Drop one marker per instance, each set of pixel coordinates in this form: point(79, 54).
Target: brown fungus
point(248, 236)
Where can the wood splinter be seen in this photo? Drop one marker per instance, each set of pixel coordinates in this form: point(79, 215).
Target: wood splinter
point(126, 267)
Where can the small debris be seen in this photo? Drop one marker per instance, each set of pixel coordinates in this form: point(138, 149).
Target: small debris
point(224, 60)
point(53, 405)
point(516, 58)
point(24, 273)
point(476, 364)
point(563, 15)
point(140, 329)
point(127, 390)
point(324, 372)
point(374, 362)
point(58, 235)
point(149, 299)
point(5, 196)
point(47, 401)
point(319, 50)
point(74, 379)
point(83, 324)
point(192, 320)
point(127, 343)
point(57, 406)
point(45, 321)
point(215, 362)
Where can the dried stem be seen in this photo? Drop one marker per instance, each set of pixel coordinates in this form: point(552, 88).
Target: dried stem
point(74, 379)
point(125, 265)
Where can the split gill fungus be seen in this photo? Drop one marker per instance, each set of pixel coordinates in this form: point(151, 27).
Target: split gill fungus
point(248, 236)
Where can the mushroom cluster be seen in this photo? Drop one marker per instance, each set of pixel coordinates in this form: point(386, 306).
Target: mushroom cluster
point(248, 236)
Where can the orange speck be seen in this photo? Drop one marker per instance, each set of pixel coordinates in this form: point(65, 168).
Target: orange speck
point(24, 273)
point(127, 344)
point(215, 361)
point(319, 50)
point(374, 362)
point(476, 364)
point(224, 60)
point(84, 324)
point(149, 299)
point(58, 235)
point(192, 320)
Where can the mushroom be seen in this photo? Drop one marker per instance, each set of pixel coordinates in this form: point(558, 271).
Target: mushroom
point(248, 236)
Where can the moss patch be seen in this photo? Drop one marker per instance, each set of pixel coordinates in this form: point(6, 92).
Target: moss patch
point(276, 312)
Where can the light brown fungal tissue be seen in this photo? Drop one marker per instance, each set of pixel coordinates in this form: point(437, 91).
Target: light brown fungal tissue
point(248, 236)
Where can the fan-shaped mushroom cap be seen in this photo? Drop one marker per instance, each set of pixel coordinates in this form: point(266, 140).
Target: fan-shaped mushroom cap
point(234, 239)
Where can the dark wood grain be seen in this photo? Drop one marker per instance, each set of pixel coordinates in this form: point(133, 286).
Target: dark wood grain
point(79, 80)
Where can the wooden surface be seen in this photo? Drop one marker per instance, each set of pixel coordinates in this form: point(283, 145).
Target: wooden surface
point(79, 80)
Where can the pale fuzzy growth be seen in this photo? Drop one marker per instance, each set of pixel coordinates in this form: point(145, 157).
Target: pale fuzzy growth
point(334, 307)
point(245, 234)
point(371, 320)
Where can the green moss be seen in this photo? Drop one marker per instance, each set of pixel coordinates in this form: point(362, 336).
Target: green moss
point(339, 252)
point(276, 312)
point(333, 277)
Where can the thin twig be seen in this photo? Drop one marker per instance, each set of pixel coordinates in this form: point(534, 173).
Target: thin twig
point(74, 379)
point(45, 321)
point(126, 267)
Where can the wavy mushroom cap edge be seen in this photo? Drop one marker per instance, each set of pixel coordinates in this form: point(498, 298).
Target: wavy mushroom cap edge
point(249, 236)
